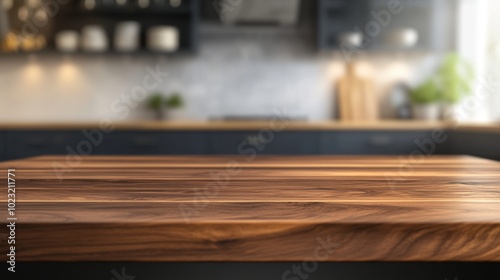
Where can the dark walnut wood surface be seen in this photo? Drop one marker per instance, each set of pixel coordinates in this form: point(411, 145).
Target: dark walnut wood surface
point(237, 208)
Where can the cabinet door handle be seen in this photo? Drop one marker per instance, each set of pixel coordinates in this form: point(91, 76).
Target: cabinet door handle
point(143, 142)
point(380, 141)
point(254, 140)
point(38, 144)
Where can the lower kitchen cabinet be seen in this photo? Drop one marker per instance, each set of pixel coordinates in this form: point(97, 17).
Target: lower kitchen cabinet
point(3, 146)
point(95, 142)
point(21, 144)
point(264, 142)
point(179, 143)
point(152, 143)
point(129, 143)
point(378, 142)
point(479, 144)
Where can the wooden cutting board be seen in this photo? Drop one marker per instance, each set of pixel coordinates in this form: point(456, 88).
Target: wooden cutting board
point(356, 97)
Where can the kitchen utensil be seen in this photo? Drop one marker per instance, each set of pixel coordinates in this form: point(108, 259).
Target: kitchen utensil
point(94, 39)
point(357, 100)
point(369, 104)
point(127, 36)
point(400, 100)
point(163, 38)
point(67, 41)
point(344, 99)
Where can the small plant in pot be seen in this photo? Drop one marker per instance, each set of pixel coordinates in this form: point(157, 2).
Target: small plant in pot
point(455, 80)
point(174, 105)
point(425, 101)
point(156, 103)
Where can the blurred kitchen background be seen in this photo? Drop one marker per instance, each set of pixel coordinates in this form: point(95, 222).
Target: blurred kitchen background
point(375, 74)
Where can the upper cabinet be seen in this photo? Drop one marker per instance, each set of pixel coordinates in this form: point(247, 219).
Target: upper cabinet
point(99, 26)
point(171, 26)
point(368, 25)
point(337, 18)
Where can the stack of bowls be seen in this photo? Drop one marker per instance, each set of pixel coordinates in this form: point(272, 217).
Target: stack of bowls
point(127, 35)
point(67, 41)
point(94, 39)
point(163, 38)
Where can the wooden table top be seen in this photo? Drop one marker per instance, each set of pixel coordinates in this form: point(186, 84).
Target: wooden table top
point(267, 208)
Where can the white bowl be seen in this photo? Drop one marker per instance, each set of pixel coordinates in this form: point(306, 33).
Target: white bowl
point(67, 41)
point(94, 38)
point(163, 38)
point(127, 35)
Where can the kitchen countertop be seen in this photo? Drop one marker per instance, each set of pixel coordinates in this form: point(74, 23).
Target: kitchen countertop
point(256, 125)
point(268, 208)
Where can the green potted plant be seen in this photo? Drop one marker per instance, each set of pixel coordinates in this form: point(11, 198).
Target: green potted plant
point(425, 101)
point(455, 81)
point(174, 105)
point(156, 103)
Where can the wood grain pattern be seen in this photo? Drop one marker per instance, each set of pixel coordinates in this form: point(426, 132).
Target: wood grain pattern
point(233, 208)
point(383, 125)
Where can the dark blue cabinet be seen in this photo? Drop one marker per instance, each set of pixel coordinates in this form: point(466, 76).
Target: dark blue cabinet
point(264, 142)
point(480, 144)
point(21, 144)
point(117, 143)
point(178, 143)
point(433, 20)
point(381, 21)
point(3, 146)
point(152, 143)
point(377, 142)
point(92, 142)
point(336, 17)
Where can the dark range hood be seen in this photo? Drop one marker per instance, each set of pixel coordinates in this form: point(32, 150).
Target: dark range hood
point(255, 12)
